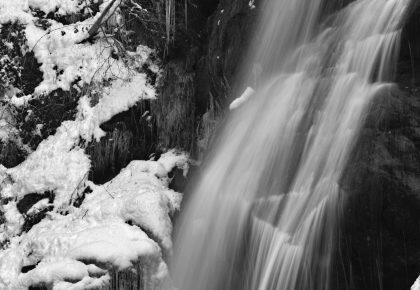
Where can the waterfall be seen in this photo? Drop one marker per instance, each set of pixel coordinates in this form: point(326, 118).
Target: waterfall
point(263, 214)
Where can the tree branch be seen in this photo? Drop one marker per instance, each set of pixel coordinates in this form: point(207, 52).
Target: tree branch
point(95, 27)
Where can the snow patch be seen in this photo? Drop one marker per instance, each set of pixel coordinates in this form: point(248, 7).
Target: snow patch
point(246, 95)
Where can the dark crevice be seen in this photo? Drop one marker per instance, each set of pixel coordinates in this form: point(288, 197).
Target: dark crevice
point(130, 135)
point(77, 202)
point(31, 199)
point(26, 269)
point(27, 202)
point(34, 219)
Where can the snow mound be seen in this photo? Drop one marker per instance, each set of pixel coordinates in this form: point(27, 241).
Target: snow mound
point(105, 232)
point(138, 195)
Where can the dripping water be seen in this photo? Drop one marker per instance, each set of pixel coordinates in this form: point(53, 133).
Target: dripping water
point(264, 213)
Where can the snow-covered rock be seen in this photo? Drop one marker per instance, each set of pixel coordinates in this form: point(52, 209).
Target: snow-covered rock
point(105, 232)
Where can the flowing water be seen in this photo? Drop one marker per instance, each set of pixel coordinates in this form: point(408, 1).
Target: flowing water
point(263, 214)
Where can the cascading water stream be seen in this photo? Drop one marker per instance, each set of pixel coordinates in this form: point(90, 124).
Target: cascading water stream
point(264, 213)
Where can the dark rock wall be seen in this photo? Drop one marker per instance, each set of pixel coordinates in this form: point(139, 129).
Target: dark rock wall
point(198, 72)
point(231, 32)
point(377, 242)
point(198, 79)
point(379, 236)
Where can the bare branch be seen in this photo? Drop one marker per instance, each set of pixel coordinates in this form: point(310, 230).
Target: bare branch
point(95, 27)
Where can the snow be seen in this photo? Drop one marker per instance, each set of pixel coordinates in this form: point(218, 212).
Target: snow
point(20, 101)
point(59, 164)
point(119, 223)
point(251, 4)
point(97, 232)
point(172, 159)
point(39, 206)
point(118, 98)
point(52, 270)
point(139, 195)
point(13, 221)
point(62, 7)
point(59, 49)
point(416, 285)
point(246, 95)
point(85, 283)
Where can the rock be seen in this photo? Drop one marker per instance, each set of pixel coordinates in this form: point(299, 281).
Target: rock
point(380, 229)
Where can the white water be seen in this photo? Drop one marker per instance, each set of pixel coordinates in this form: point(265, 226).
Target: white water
point(264, 213)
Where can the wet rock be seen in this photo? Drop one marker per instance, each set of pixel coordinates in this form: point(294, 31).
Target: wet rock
point(380, 230)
